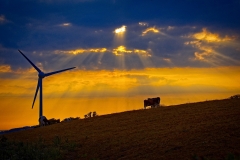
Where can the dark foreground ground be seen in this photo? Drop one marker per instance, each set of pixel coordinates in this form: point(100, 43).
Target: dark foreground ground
point(207, 130)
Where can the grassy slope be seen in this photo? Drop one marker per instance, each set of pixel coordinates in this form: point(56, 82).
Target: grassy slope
point(210, 129)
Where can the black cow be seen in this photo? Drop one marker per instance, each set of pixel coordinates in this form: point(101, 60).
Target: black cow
point(153, 102)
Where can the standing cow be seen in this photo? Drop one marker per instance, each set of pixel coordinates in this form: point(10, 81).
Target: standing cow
point(153, 102)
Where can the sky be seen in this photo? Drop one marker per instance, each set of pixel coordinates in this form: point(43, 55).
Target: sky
point(124, 51)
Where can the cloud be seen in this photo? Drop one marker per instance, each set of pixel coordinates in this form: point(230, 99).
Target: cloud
point(94, 48)
point(207, 36)
point(120, 30)
point(65, 24)
point(201, 56)
point(170, 27)
point(143, 24)
point(161, 52)
point(117, 83)
point(208, 46)
point(5, 68)
point(167, 60)
point(81, 51)
point(122, 50)
point(151, 29)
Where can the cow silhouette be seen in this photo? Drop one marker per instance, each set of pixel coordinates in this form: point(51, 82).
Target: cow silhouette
point(153, 102)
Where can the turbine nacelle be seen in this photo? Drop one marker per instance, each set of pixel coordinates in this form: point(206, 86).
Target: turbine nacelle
point(41, 74)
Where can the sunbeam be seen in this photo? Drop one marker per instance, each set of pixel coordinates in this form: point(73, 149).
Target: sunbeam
point(119, 36)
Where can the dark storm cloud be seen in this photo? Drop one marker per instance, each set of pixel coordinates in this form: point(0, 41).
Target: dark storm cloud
point(40, 28)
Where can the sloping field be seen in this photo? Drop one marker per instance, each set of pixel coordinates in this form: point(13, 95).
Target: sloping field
point(208, 129)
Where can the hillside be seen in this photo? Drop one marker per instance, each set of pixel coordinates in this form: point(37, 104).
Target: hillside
point(208, 129)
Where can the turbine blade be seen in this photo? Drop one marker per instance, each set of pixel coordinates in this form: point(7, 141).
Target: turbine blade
point(51, 73)
point(31, 62)
point(36, 92)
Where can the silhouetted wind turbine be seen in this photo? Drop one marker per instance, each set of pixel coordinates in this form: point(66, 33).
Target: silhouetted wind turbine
point(41, 75)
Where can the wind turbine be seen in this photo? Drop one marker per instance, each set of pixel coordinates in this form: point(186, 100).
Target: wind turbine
point(41, 75)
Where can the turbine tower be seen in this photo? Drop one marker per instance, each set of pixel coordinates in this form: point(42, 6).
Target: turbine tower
point(41, 75)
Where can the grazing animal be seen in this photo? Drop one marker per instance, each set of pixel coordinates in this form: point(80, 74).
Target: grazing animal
point(43, 121)
point(153, 102)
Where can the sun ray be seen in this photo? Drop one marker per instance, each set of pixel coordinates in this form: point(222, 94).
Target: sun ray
point(119, 36)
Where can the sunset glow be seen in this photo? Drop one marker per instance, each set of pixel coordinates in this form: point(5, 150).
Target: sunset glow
point(91, 90)
point(123, 53)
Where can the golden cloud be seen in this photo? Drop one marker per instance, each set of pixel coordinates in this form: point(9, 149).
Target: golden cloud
point(206, 52)
point(151, 29)
point(96, 50)
point(200, 56)
point(117, 51)
point(80, 51)
point(196, 43)
point(118, 80)
point(142, 52)
point(5, 68)
point(120, 30)
point(206, 49)
point(122, 49)
point(210, 37)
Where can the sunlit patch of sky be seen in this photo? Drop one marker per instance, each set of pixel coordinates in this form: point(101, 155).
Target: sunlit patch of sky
point(106, 83)
point(120, 30)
